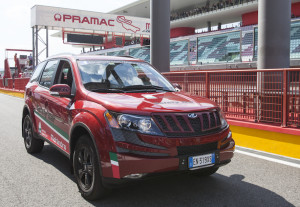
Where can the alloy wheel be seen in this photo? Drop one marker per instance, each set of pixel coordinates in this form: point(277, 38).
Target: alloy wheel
point(27, 133)
point(85, 167)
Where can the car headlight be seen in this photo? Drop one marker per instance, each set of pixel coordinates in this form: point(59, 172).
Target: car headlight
point(142, 124)
point(223, 119)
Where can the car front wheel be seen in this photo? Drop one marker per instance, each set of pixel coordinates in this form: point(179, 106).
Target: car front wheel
point(87, 170)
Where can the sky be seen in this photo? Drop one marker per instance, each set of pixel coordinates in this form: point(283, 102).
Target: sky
point(16, 32)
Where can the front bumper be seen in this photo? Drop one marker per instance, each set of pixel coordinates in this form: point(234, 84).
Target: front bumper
point(148, 167)
point(136, 156)
point(129, 164)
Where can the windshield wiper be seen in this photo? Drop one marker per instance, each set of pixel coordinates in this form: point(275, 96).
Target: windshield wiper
point(106, 90)
point(144, 87)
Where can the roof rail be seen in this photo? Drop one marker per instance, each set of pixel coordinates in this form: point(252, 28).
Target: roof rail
point(127, 56)
point(60, 54)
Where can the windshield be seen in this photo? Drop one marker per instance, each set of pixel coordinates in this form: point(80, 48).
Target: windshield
point(118, 76)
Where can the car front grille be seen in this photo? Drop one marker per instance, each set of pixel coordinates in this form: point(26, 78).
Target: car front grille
point(181, 125)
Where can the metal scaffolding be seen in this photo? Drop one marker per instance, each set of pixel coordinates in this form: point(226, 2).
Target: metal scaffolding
point(37, 39)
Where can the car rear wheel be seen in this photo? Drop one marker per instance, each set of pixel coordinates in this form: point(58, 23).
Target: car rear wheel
point(87, 170)
point(32, 144)
point(205, 172)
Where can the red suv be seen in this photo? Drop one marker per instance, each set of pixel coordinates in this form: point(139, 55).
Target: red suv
point(118, 119)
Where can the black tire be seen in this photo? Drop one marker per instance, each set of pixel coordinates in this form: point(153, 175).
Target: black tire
point(87, 170)
point(32, 144)
point(205, 171)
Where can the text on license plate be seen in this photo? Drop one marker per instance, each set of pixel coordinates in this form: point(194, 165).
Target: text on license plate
point(201, 160)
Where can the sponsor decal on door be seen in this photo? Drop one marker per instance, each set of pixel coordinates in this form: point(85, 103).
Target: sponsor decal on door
point(51, 132)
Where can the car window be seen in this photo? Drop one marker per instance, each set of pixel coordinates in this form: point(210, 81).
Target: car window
point(64, 74)
point(36, 74)
point(92, 72)
point(48, 73)
point(128, 74)
point(120, 75)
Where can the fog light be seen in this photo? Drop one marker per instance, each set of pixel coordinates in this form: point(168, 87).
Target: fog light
point(135, 176)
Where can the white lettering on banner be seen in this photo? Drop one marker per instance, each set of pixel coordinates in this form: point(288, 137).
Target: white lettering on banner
point(78, 19)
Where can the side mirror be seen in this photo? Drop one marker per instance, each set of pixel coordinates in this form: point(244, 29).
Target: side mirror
point(60, 90)
point(176, 85)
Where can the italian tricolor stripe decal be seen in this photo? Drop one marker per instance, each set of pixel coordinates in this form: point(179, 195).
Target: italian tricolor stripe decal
point(51, 132)
point(114, 164)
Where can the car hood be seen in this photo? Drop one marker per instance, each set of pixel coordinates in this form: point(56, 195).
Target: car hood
point(146, 103)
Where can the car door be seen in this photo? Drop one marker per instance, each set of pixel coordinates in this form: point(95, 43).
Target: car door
point(59, 107)
point(44, 116)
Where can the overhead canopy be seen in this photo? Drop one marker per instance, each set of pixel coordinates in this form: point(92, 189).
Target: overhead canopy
point(61, 18)
point(141, 8)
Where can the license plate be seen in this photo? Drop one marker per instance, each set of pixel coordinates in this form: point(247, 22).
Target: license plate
point(202, 160)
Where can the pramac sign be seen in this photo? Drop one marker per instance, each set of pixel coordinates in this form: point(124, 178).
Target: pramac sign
point(77, 19)
point(82, 20)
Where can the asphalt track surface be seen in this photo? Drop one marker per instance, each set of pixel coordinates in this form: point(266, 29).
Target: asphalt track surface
point(45, 179)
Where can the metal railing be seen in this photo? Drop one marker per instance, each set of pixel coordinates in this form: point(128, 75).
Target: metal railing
point(14, 84)
point(268, 96)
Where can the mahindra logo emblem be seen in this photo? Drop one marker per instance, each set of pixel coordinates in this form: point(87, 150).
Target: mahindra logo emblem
point(192, 116)
point(57, 17)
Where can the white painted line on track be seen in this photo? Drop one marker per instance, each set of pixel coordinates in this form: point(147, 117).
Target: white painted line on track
point(268, 153)
point(268, 158)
